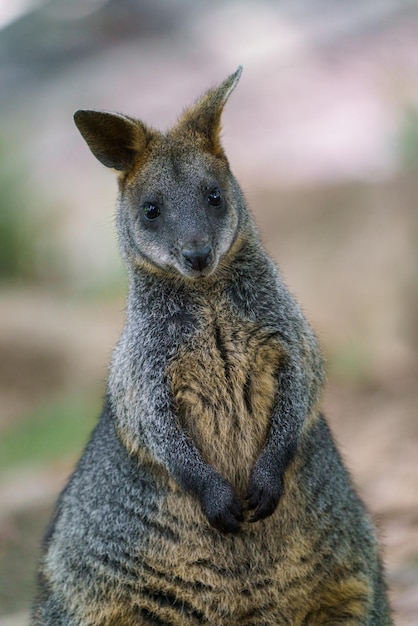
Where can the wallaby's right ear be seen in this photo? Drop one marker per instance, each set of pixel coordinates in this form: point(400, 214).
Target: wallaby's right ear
point(114, 139)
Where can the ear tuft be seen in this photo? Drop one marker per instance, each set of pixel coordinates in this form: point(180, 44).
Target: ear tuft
point(114, 139)
point(204, 117)
point(231, 82)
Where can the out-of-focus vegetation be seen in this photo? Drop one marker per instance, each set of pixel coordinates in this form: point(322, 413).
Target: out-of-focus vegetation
point(408, 138)
point(19, 228)
point(53, 430)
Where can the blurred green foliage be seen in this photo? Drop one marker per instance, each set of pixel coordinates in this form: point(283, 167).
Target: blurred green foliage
point(19, 231)
point(350, 363)
point(408, 138)
point(50, 432)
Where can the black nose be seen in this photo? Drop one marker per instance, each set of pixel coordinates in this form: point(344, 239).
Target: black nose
point(197, 259)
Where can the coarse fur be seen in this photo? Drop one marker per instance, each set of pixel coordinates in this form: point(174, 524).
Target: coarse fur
point(211, 491)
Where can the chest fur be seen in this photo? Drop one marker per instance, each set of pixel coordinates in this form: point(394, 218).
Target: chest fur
point(223, 383)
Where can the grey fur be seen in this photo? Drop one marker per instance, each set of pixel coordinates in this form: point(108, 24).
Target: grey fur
point(257, 514)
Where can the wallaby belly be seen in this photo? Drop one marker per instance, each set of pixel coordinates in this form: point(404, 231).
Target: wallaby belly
point(223, 383)
point(152, 557)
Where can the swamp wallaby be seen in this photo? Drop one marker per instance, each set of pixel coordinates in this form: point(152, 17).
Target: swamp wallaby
point(211, 491)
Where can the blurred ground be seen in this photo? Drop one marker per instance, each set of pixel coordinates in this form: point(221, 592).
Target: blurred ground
point(322, 132)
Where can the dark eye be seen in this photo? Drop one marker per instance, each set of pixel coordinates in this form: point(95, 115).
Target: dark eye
point(215, 198)
point(151, 210)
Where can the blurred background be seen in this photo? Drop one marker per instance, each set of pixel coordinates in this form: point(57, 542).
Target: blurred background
point(322, 133)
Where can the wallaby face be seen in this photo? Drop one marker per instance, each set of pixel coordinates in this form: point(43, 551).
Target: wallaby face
point(178, 202)
point(177, 212)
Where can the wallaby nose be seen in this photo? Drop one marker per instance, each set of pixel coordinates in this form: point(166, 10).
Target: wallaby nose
point(197, 259)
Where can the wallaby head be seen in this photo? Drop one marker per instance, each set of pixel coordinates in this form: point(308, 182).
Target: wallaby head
point(179, 205)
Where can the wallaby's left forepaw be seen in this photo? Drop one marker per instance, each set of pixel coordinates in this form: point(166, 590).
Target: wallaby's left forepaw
point(264, 491)
point(221, 505)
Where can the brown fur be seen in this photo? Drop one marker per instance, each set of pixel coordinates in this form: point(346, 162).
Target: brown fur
point(211, 491)
point(202, 373)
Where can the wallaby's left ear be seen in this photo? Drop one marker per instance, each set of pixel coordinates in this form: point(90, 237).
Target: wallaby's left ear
point(114, 139)
point(204, 117)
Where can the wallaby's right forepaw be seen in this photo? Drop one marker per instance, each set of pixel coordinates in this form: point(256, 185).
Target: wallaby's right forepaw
point(265, 489)
point(222, 507)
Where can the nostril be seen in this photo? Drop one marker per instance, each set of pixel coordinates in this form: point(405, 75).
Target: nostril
point(197, 259)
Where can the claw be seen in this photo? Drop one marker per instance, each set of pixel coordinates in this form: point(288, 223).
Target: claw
point(263, 495)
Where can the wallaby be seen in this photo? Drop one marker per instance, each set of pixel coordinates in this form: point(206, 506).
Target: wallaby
point(211, 491)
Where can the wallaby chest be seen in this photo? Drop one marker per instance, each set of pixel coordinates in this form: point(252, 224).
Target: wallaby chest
point(223, 382)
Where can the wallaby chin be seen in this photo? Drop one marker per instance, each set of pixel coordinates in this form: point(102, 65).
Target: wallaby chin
point(198, 275)
point(182, 271)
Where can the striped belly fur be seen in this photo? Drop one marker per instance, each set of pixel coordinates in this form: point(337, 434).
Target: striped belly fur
point(168, 566)
point(281, 571)
point(223, 384)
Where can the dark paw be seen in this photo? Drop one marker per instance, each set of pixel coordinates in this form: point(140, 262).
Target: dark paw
point(222, 507)
point(264, 491)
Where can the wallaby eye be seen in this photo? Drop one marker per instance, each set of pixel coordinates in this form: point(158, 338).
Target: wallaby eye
point(151, 211)
point(215, 198)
